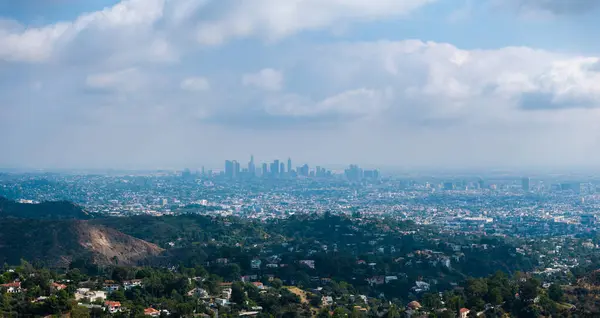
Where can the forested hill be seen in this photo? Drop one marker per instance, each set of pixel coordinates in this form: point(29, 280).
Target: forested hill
point(45, 210)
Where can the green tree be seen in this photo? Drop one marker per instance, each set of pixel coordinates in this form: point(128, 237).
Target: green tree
point(117, 295)
point(555, 292)
point(529, 289)
point(495, 296)
point(277, 283)
point(393, 312)
point(80, 312)
point(136, 311)
point(323, 313)
point(431, 301)
point(238, 295)
point(340, 312)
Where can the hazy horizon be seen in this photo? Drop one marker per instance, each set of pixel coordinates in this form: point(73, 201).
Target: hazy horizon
point(149, 84)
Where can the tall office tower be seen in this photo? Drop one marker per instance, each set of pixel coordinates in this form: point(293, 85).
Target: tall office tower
point(236, 169)
point(265, 170)
point(304, 170)
point(203, 174)
point(275, 171)
point(289, 170)
point(354, 173)
point(371, 174)
point(525, 184)
point(251, 167)
point(228, 168)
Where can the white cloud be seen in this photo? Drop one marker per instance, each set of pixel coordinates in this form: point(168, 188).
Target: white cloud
point(275, 19)
point(30, 45)
point(267, 79)
point(355, 103)
point(127, 25)
point(38, 44)
point(439, 80)
point(195, 84)
point(126, 80)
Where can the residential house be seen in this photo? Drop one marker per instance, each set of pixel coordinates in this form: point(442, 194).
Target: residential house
point(226, 293)
point(421, 286)
point(112, 306)
point(376, 280)
point(151, 312)
point(255, 263)
point(129, 284)
point(327, 300)
point(390, 278)
point(57, 286)
point(248, 278)
point(199, 292)
point(221, 302)
point(111, 286)
point(12, 288)
point(309, 263)
point(92, 295)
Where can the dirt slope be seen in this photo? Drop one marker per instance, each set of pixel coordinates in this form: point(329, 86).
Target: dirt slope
point(58, 242)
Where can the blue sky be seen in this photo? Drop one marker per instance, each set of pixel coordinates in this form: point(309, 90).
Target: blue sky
point(407, 83)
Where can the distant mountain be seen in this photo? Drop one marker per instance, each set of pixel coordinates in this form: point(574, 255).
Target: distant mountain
point(58, 242)
point(58, 210)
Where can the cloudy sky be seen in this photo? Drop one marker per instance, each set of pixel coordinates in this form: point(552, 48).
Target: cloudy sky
point(186, 83)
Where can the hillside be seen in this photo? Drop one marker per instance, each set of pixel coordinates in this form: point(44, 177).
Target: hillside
point(58, 242)
point(46, 210)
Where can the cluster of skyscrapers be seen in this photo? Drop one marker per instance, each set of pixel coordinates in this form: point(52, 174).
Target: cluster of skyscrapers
point(275, 169)
point(279, 169)
point(355, 173)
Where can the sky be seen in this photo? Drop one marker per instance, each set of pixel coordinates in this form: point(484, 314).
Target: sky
point(145, 84)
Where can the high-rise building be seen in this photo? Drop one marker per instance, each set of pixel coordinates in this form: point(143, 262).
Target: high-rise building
point(251, 167)
point(228, 168)
point(303, 171)
point(236, 169)
point(282, 169)
point(525, 184)
point(354, 173)
point(265, 170)
point(275, 168)
point(371, 174)
point(289, 166)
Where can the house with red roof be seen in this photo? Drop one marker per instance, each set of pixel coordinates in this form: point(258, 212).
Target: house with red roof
point(112, 306)
point(12, 288)
point(57, 286)
point(463, 313)
point(151, 312)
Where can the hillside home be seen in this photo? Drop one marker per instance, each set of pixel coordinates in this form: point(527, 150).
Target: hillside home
point(112, 306)
point(12, 288)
